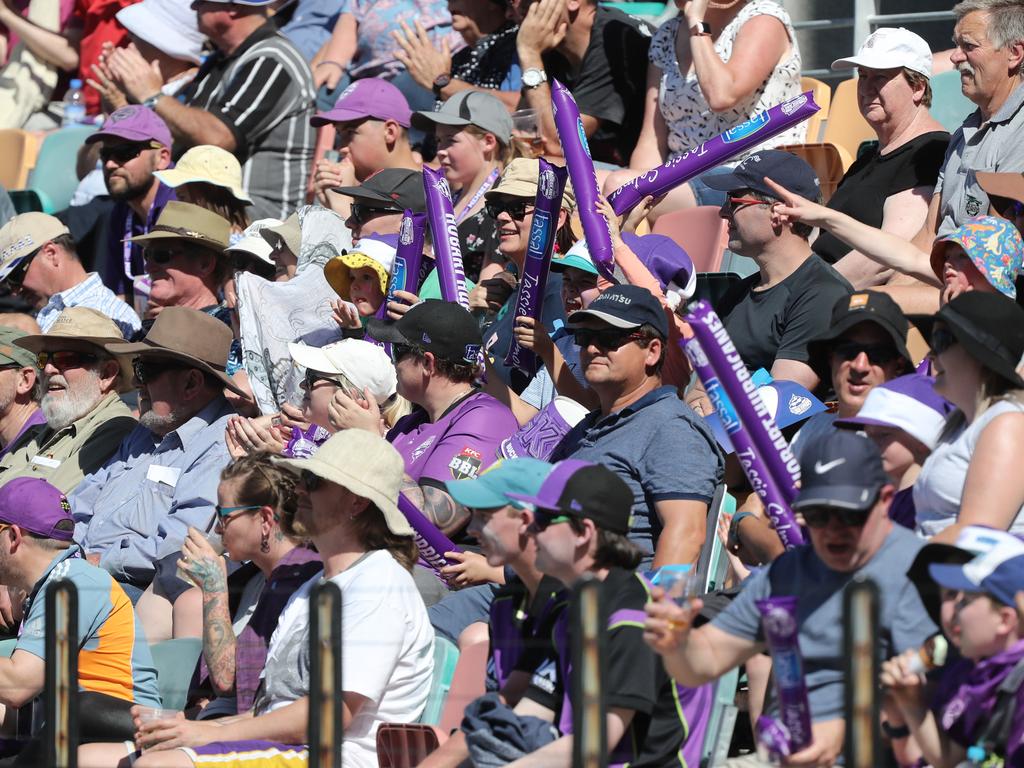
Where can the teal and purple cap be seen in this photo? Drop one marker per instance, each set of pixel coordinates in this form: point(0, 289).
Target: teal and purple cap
point(998, 572)
point(35, 505)
point(992, 244)
point(495, 485)
point(907, 402)
point(585, 490)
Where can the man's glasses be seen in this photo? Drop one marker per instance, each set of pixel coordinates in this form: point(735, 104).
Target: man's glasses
point(734, 203)
point(161, 255)
point(818, 517)
point(309, 481)
point(608, 339)
point(65, 359)
point(878, 354)
point(146, 372)
point(516, 210)
point(362, 213)
point(543, 518)
point(123, 153)
point(398, 351)
point(942, 340)
point(312, 377)
point(17, 275)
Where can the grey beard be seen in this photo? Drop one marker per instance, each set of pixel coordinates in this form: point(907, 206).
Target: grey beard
point(162, 425)
point(73, 404)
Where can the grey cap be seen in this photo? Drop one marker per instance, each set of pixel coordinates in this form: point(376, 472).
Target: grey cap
point(469, 108)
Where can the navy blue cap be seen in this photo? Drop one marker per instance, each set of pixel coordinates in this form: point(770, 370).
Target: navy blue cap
point(840, 468)
point(624, 306)
point(781, 167)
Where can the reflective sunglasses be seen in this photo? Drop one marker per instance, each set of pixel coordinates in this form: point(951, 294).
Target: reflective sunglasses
point(65, 359)
point(145, 372)
point(309, 481)
point(608, 339)
point(818, 517)
point(543, 518)
point(516, 210)
point(942, 340)
point(362, 213)
point(878, 354)
point(732, 204)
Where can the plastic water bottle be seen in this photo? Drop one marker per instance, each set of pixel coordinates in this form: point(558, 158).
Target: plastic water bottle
point(74, 104)
point(975, 757)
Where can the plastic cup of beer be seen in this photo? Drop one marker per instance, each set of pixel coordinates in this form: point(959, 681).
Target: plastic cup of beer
point(526, 133)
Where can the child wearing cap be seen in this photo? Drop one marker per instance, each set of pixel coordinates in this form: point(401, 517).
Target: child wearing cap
point(360, 277)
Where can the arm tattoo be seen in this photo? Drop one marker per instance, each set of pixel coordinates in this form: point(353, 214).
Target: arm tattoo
point(219, 642)
point(440, 508)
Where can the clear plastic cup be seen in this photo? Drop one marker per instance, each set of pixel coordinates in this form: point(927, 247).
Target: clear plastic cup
point(154, 714)
point(215, 543)
point(680, 585)
point(526, 133)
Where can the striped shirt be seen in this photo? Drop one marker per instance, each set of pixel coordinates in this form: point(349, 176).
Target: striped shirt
point(91, 293)
point(263, 92)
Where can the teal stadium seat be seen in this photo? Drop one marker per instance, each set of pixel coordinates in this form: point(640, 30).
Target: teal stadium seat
point(175, 660)
point(53, 178)
point(949, 105)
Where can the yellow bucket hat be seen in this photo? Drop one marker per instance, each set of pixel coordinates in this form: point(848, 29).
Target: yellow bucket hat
point(376, 251)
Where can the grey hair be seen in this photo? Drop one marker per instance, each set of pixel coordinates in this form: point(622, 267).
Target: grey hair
point(1005, 19)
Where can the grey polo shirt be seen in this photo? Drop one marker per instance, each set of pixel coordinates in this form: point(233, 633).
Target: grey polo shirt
point(977, 146)
point(659, 447)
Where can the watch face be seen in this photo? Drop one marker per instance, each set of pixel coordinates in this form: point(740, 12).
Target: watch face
point(533, 77)
point(442, 80)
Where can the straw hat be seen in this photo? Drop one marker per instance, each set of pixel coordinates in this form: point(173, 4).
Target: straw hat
point(210, 165)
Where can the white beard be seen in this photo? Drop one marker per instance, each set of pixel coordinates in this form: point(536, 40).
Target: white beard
point(70, 405)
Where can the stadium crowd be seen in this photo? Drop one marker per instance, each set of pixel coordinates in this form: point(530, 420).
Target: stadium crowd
point(213, 397)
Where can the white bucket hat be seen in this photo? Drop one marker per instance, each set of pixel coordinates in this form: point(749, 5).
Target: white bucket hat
point(366, 365)
point(170, 26)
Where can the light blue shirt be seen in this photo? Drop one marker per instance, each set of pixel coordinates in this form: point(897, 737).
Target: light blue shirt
point(91, 293)
point(139, 506)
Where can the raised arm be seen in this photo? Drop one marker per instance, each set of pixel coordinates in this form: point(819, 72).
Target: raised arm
point(53, 47)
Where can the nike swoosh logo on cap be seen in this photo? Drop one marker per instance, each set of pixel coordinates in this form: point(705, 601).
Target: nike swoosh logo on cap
point(821, 469)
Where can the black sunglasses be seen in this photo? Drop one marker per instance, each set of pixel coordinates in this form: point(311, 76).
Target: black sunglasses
point(65, 359)
point(398, 351)
point(517, 210)
point(122, 153)
point(942, 339)
point(17, 275)
point(161, 255)
point(608, 338)
point(146, 372)
point(309, 481)
point(544, 518)
point(878, 354)
point(362, 213)
point(312, 377)
point(818, 517)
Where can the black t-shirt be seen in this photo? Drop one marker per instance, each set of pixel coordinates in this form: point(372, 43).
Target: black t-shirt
point(776, 324)
point(610, 82)
point(874, 177)
point(521, 629)
point(488, 62)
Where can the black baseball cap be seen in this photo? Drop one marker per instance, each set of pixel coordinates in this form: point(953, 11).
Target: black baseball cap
point(990, 326)
point(840, 468)
point(583, 489)
point(625, 306)
point(849, 311)
point(394, 189)
point(440, 327)
point(783, 168)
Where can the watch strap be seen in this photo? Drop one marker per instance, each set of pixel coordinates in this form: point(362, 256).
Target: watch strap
point(700, 29)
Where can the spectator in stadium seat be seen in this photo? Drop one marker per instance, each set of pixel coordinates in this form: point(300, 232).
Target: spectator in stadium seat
point(134, 144)
point(38, 260)
point(85, 418)
point(115, 669)
point(844, 498)
point(600, 55)
point(348, 494)
point(253, 97)
point(379, 202)
point(21, 390)
point(621, 337)
point(211, 178)
point(163, 477)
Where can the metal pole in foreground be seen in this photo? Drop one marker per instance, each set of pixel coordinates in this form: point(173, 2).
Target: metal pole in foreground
point(860, 647)
point(61, 680)
point(587, 631)
point(325, 693)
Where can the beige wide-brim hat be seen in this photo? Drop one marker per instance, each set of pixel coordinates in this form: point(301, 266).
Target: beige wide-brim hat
point(521, 178)
point(367, 465)
point(189, 336)
point(209, 165)
point(184, 221)
point(82, 329)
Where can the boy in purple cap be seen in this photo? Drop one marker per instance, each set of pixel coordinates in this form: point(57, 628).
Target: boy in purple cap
point(115, 669)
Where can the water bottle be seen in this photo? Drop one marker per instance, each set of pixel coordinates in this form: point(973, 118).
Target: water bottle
point(975, 757)
point(74, 104)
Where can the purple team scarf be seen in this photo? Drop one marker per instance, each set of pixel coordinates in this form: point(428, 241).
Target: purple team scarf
point(530, 296)
point(711, 153)
point(778, 619)
point(768, 453)
point(569, 125)
point(966, 714)
point(431, 543)
point(445, 232)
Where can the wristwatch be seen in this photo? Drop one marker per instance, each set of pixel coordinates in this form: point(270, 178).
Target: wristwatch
point(150, 103)
point(533, 77)
point(700, 29)
point(440, 82)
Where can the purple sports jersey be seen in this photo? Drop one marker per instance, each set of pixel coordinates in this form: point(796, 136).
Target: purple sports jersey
point(459, 445)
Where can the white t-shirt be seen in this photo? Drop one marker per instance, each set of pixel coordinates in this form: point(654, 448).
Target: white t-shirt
point(387, 651)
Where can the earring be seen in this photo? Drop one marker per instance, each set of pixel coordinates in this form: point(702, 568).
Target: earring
point(265, 544)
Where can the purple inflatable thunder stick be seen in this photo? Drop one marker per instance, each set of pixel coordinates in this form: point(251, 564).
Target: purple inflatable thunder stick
point(431, 543)
point(405, 272)
point(445, 232)
point(711, 153)
point(530, 295)
point(792, 731)
point(584, 181)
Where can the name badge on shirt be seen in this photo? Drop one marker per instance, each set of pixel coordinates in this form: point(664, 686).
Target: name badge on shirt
point(165, 475)
point(45, 461)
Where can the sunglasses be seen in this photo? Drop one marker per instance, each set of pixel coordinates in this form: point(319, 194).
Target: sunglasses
point(226, 514)
point(17, 275)
point(543, 518)
point(878, 354)
point(161, 255)
point(734, 203)
point(122, 153)
point(147, 372)
point(942, 340)
point(65, 359)
point(361, 213)
point(606, 339)
point(312, 377)
point(309, 481)
point(818, 517)
point(517, 211)
point(398, 351)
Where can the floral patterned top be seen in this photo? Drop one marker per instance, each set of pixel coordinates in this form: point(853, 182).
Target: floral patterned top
point(687, 115)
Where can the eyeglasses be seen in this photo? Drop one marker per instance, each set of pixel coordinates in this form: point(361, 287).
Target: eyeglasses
point(17, 275)
point(942, 340)
point(123, 153)
point(517, 211)
point(734, 203)
point(362, 213)
point(309, 481)
point(149, 371)
point(543, 518)
point(818, 517)
point(226, 514)
point(65, 359)
point(161, 255)
point(878, 354)
point(608, 339)
point(312, 377)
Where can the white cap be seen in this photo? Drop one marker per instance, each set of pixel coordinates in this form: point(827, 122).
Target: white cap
point(889, 48)
point(170, 26)
point(364, 364)
point(252, 242)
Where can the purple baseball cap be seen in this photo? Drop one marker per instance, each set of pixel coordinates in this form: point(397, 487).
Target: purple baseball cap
point(583, 489)
point(664, 258)
point(907, 402)
point(369, 97)
point(35, 505)
point(134, 123)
